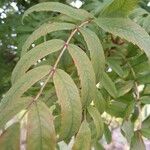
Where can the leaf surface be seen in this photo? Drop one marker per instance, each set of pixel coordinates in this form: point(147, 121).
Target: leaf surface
point(109, 85)
point(69, 100)
point(126, 29)
point(107, 133)
point(100, 102)
point(43, 30)
point(146, 128)
point(86, 74)
point(10, 140)
point(40, 128)
point(119, 8)
point(128, 130)
point(77, 14)
point(145, 99)
point(137, 142)
point(34, 55)
point(21, 86)
point(96, 51)
point(14, 109)
point(116, 67)
point(97, 121)
point(83, 138)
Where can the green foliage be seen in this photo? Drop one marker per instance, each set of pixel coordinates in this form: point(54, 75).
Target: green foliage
point(76, 67)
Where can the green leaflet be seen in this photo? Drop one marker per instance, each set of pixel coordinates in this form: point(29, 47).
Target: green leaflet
point(86, 74)
point(14, 109)
point(10, 140)
point(107, 133)
point(99, 6)
point(40, 128)
point(137, 142)
point(124, 87)
point(144, 78)
point(77, 14)
point(129, 110)
point(146, 123)
point(146, 128)
point(100, 102)
point(34, 55)
point(94, 113)
point(43, 30)
point(69, 99)
point(119, 8)
point(145, 99)
point(109, 85)
point(115, 67)
point(116, 108)
point(127, 129)
point(146, 133)
point(96, 51)
point(21, 86)
point(127, 29)
point(98, 146)
point(83, 138)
